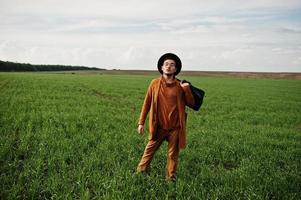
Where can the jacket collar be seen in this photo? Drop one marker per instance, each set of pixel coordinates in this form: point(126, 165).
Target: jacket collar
point(164, 82)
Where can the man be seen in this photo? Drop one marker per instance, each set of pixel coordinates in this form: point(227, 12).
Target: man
point(165, 100)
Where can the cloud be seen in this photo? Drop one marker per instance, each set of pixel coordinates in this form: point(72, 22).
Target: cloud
point(141, 9)
point(215, 35)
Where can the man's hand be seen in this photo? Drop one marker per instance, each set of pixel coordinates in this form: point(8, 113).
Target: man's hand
point(184, 84)
point(140, 129)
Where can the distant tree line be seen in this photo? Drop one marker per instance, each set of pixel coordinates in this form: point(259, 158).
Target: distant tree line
point(12, 66)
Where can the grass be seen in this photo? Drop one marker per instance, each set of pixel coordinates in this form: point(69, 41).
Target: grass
point(73, 136)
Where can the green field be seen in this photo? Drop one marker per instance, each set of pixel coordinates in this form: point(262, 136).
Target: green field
point(73, 136)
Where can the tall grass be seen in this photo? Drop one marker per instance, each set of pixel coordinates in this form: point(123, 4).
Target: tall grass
point(72, 136)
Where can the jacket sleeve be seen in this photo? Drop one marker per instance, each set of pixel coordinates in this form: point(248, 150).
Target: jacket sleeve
point(189, 99)
point(146, 106)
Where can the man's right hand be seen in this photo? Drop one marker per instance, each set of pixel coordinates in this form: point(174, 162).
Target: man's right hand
point(140, 129)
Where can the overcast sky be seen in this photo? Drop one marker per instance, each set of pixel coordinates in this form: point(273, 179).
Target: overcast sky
point(214, 35)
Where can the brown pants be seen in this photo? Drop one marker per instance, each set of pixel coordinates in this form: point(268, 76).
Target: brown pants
point(172, 156)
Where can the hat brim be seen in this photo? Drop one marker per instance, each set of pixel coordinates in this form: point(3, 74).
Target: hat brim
point(172, 57)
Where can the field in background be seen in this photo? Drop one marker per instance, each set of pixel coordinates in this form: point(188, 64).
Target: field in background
point(266, 75)
point(72, 136)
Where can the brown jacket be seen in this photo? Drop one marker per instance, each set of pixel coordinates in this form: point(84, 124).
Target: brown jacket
point(150, 104)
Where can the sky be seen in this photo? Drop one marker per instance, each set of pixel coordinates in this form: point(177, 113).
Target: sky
point(215, 35)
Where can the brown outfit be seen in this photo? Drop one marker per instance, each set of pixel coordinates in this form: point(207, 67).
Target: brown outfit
point(167, 121)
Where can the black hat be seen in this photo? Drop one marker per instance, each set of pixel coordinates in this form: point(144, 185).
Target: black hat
point(172, 57)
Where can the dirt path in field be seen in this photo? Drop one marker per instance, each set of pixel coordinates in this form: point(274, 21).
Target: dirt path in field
point(272, 75)
point(278, 75)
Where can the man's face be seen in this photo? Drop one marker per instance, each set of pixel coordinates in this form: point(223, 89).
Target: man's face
point(169, 67)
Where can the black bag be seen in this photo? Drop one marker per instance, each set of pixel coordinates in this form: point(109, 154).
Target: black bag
point(198, 95)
